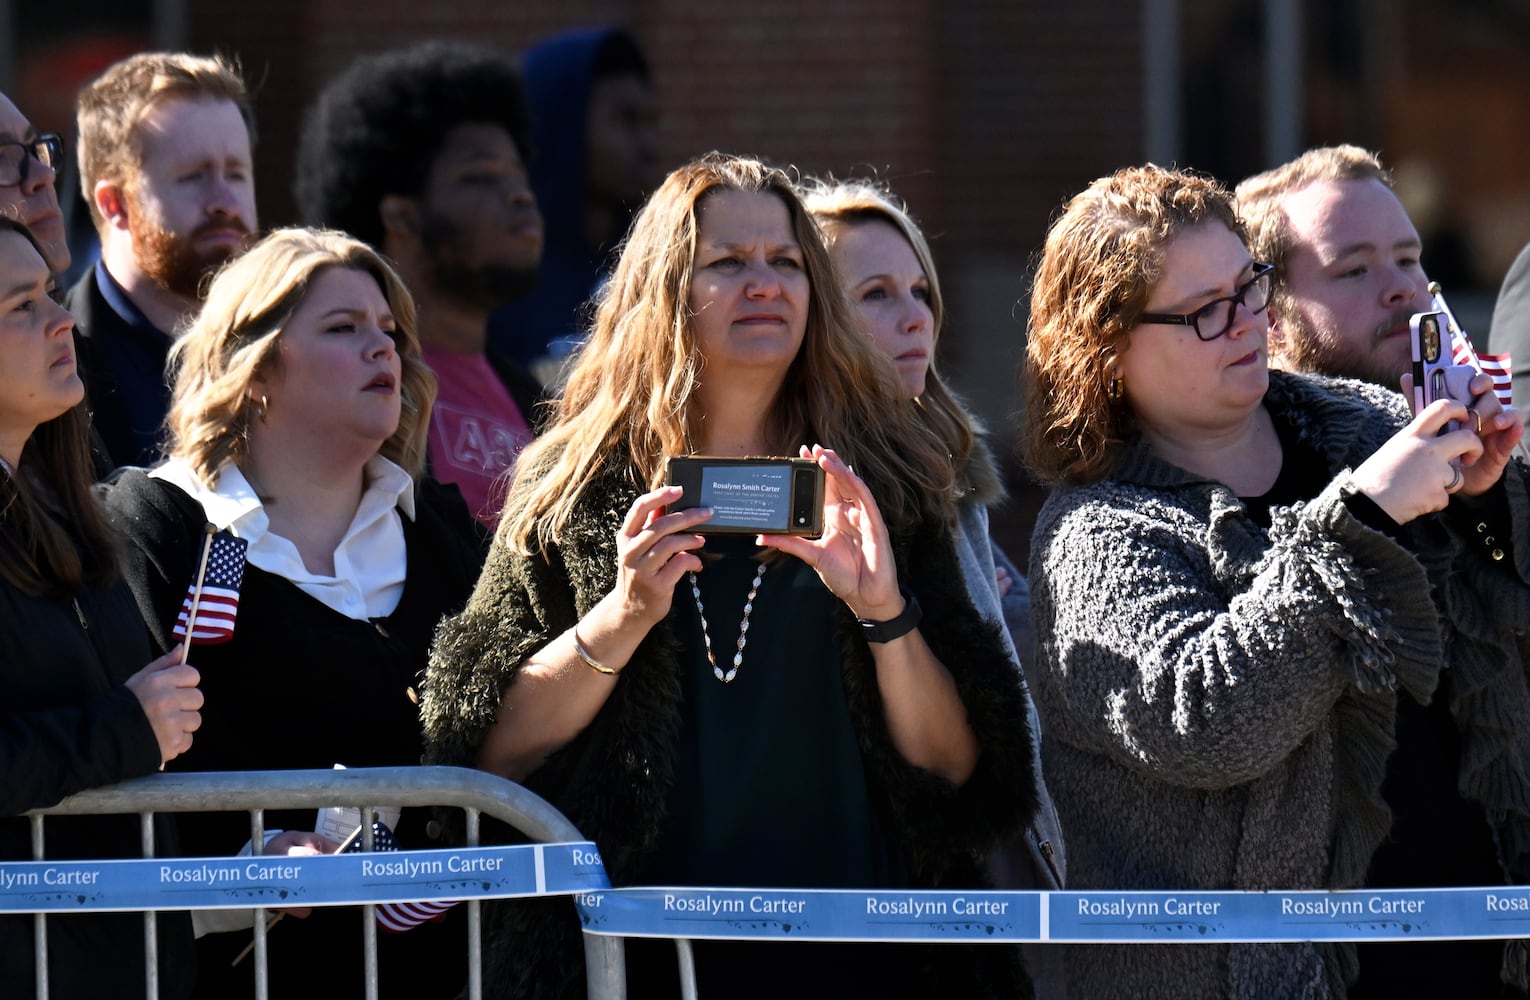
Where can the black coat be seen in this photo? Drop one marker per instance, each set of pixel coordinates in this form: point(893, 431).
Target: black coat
point(302, 686)
point(69, 724)
point(96, 323)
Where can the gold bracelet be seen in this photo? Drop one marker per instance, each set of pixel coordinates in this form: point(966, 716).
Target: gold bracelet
point(584, 654)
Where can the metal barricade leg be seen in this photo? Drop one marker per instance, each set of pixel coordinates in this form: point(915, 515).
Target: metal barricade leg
point(369, 912)
point(687, 957)
point(606, 964)
point(150, 918)
point(262, 970)
point(39, 920)
point(475, 920)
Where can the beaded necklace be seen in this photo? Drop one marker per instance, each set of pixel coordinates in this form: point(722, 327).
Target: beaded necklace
point(743, 627)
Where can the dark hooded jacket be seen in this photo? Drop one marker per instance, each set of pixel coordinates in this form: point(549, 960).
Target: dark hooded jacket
point(558, 74)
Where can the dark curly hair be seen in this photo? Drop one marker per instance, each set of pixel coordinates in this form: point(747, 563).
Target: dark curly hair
point(376, 129)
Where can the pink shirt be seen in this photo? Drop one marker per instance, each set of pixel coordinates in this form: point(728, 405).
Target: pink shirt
point(476, 431)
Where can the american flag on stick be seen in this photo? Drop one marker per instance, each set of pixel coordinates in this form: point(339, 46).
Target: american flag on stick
point(402, 916)
point(212, 599)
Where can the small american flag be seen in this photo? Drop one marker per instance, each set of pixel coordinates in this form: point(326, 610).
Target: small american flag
point(219, 601)
point(400, 917)
point(1494, 365)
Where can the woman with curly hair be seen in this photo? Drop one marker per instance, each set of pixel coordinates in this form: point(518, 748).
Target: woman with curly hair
point(1239, 576)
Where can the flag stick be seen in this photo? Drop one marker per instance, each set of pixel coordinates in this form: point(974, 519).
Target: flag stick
point(196, 594)
point(278, 917)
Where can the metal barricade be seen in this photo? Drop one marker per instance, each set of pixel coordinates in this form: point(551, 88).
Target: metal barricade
point(475, 792)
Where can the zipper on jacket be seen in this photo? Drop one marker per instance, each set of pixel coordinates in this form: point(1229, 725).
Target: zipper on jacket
point(79, 613)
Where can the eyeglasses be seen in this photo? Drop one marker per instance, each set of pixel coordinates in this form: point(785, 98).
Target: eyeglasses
point(16, 156)
point(1212, 319)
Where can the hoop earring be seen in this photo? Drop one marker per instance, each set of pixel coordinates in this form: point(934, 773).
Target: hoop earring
point(262, 406)
point(1115, 390)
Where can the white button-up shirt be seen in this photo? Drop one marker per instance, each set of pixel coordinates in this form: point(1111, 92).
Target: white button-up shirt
point(370, 561)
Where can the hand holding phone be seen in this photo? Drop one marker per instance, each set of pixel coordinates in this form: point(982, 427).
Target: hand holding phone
point(751, 496)
point(1435, 374)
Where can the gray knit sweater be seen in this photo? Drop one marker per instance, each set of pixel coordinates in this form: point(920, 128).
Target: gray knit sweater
point(1218, 700)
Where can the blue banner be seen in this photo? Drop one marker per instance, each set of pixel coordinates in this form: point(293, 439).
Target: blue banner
point(814, 914)
point(1063, 917)
point(575, 869)
point(375, 877)
point(1362, 915)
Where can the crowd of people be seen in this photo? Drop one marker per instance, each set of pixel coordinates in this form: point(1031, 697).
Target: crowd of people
point(1273, 633)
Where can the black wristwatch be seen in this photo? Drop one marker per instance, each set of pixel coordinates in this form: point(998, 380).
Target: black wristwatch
point(894, 628)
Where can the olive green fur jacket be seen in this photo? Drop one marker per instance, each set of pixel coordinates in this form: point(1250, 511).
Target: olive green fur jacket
point(612, 780)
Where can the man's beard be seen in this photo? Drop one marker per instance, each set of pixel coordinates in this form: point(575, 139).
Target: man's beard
point(174, 262)
point(480, 286)
point(1304, 349)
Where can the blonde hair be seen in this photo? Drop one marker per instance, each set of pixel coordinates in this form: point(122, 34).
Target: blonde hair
point(1101, 259)
point(111, 106)
point(629, 396)
point(251, 299)
point(837, 203)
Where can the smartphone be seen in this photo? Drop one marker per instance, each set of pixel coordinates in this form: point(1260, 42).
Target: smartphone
point(1435, 374)
point(755, 496)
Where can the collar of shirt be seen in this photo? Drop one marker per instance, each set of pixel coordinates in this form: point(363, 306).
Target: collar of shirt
point(370, 561)
point(117, 297)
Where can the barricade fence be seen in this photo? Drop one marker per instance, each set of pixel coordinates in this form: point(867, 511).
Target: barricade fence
point(77, 886)
point(562, 863)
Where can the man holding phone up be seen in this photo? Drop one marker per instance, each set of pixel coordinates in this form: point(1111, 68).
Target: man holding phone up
point(1349, 278)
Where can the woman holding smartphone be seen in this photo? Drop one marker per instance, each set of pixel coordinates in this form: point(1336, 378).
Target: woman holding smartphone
point(856, 742)
point(81, 708)
point(1238, 576)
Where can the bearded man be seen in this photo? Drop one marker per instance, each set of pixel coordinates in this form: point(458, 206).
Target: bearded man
point(165, 165)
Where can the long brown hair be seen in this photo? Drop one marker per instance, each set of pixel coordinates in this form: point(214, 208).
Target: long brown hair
point(54, 537)
point(631, 389)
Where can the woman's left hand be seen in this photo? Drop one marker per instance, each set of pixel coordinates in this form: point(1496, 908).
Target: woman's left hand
point(1500, 429)
point(853, 557)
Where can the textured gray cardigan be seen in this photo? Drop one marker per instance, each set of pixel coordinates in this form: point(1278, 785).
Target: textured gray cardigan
point(1218, 701)
point(613, 779)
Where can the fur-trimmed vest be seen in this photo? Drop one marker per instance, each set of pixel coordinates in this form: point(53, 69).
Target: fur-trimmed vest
point(612, 779)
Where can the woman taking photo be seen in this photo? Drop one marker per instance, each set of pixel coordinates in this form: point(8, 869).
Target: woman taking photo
point(584, 663)
point(81, 708)
point(1237, 578)
point(298, 425)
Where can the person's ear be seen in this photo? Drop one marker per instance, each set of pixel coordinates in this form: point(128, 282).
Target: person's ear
point(400, 215)
point(1275, 342)
point(111, 202)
